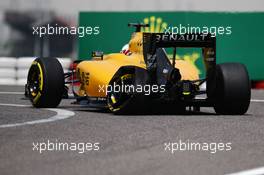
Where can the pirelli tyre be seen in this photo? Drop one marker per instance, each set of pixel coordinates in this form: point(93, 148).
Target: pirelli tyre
point(117, 100)
point(45, 83)
point(232, 90)
point(121, 101)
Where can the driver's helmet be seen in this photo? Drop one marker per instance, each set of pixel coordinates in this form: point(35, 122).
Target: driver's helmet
point(125, 50)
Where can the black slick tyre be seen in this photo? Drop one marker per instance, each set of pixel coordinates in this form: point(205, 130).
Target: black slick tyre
point(45, 83)
point(232, 90)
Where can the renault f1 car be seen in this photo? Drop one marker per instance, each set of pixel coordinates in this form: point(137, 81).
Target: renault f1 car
point(148, 78)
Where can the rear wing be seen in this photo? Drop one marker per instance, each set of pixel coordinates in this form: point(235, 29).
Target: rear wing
point(154, 41)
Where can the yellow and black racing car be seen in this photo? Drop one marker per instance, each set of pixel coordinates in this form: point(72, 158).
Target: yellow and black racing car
point(146, 77)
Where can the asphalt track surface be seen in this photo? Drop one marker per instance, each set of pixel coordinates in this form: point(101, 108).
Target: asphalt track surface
point(132, 145)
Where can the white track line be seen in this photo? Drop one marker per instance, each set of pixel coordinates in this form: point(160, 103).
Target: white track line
point(256, 171)
point(61, 114)
point(256, 100)
point(14, 105)
point(12, 93)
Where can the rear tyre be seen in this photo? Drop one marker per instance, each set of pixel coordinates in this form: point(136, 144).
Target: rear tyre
point(232, 90)
point(45, 83)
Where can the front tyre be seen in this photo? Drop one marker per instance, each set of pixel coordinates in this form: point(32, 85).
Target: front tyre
point(232, 91)
point(45, 83)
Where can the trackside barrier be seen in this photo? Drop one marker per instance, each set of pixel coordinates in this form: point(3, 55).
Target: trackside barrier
point(7, 70)
point(13, 71)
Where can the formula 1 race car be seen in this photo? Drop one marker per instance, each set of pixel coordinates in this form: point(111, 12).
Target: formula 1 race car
point(147, 78)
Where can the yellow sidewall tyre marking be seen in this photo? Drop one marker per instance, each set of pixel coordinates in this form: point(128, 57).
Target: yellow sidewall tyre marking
point(36, 98)
point(113, 99)
point(41, 77)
